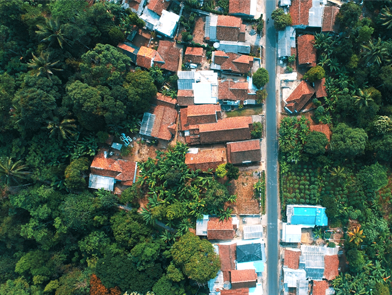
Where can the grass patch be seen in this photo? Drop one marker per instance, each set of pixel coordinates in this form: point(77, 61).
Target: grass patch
point(245, 112)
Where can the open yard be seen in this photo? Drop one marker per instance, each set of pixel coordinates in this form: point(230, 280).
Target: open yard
point(245, 112)
point(243, 188)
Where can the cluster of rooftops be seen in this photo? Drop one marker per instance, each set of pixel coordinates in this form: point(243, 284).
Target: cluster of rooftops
point(307, 267)
point(293, 40)
point(241, 251)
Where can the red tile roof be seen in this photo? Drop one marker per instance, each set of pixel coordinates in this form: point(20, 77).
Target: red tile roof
point(291, 258)
point(158, 5)
point(145, 56)
point(184, 119)
point(329, 19)
point(227, 124)
point(206, 159)
point(164, 117)
point(126, 47)
point(319, 86)
point(299, 11)
point(323, 128)
point(234, 90)
point(240, 276)
point(239, 6)
point(220, 230)
point(196, 51)
point(227, 256)
point(241, 151)
point(170, 54)
point(235, 62)
point(204, 109)
point(220, 53)
point(228, 21)
point(121, 170)
point(241, 146)
point(319, 287)
point(331, 269)
point(165, 100)
point(245, 59)
point(242, 291)
point(187, 93)
point(300, 96)
point(306, 50)
point(185, 97)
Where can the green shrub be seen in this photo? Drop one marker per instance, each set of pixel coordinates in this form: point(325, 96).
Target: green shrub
point(314, 74)
point(261, 95)
point(281, 20)
point(257, 129)
point(221, 171)
point(102, 136)
point(116, 36)
point(331, 245)
point(232, 171)
point(260, 77)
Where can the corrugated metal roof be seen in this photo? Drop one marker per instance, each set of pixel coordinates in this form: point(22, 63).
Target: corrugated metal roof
point(213, 23)
point(150, 17)
point(291, 233)
point(285, 2)
point(253, 231)
point(201, 226)
point(101, 182)
point(286, 40)
point(147, 124)
point(185, 84)
point(234, 47)
point(186, 75)
point(316, 14)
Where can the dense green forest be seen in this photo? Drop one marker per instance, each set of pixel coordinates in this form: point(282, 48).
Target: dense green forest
point(352, 177)
point(64, 86)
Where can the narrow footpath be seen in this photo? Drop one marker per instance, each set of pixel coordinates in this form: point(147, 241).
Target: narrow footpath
point(272, 156)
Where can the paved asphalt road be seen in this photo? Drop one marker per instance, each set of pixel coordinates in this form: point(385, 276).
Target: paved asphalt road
point(272, 156)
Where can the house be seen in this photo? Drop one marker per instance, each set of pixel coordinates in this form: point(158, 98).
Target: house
point(299, 98)
point(201, 87)
point(236, 93)
point(291, 233)
point(323, 128)
point(243, 8)
point(312, 260)
point(286, 42)
point(231, 62)
point(205, 159)
point(166, 101)
point(167, 56)
point(306, 13)
point(224, 28)
point(320, 288)
point(245, 278)
point(225, 130)
point(136, 6)
point(244, 152)
point(329, 19)
point(234, 47)
point(306, 50)
point(250, 255)
point(254, 231)
point(199, 114)
point(221, 230)
point(158, 6)
point(167, 24)
point(306, 215)
point(106, 171)
point(194, 55)
point(295, 279)
point(291, 258)
point(160, 123)
point(319, 87)
point(170, 56)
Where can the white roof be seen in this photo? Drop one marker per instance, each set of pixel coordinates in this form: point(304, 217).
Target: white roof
point(316, 14)
point(201, 226)
point(253, 4)
point(150, 17)
point(206, 77)
point(98, 182)
point(203, 93)
point(167, 23)
point(291, 276)
point(291, 233)
point(253, 231)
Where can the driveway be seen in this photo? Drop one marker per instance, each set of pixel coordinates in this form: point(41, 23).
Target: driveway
point(272, 155)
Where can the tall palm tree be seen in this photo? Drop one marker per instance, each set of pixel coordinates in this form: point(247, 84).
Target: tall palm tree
point(12, 172)
point(42, 66)
point(61, 128)
point(363, 98)
point(386, 16)
point(52, 32)
point(375, 52)
point(356, 235)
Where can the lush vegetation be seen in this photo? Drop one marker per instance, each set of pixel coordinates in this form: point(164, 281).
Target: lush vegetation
point(281, 19)
point(351, 174)
point(260, 77)
point(64, 87)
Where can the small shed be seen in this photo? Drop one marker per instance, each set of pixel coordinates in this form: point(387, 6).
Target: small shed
point(244, 152)
point(291, 233)
point(253, 231)
point(101, 182)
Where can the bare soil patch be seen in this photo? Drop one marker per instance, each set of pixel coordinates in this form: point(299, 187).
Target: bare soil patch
point(198, 31)
point(141, 152)
point(243, 188)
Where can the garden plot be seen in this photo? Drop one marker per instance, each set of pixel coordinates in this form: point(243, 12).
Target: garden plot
point(243, 188)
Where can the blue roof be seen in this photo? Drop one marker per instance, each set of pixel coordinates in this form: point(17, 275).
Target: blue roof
point(309, 216)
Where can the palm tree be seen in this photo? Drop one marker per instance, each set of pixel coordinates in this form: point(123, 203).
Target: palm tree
point(375, 53)
point(363, 98)
point(11, 172)
point(51, 32)
point(338, 172)
point(386, 16)
point(42, 66)
point(61, 127)
point(356, 235)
